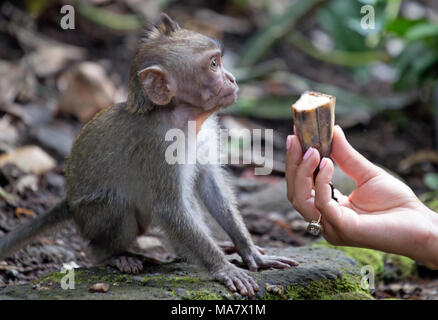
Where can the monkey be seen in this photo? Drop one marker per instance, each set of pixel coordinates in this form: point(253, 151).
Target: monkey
point(118, 183)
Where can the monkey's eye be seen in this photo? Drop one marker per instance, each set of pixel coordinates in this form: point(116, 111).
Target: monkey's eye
point(213, 64)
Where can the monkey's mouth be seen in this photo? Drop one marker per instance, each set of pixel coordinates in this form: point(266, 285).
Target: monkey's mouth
point(232, 94)
point(230, 98)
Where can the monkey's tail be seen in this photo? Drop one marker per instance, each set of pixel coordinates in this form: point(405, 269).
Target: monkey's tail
point(19, 237)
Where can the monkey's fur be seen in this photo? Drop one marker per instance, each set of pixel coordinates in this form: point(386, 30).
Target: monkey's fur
point(118, 182)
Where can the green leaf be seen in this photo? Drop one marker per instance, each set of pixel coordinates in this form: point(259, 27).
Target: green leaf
point(416, 60)
point(257, 46)
point(341, 19)
point(431, 180)
point(109, 19)
point(338, 57)
point(36, 7)
point(400, 26)
point(422, 31)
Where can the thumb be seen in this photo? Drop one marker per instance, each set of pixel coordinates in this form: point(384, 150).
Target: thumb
point(356, 166)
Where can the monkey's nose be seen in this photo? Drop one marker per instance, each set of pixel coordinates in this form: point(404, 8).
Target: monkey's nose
point(230, 77)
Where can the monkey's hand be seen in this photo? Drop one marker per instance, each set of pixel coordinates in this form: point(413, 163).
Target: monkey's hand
point(229, 248)
point(255, 260)
point(235, 278)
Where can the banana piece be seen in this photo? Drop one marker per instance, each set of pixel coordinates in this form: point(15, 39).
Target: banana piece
point(314, 119)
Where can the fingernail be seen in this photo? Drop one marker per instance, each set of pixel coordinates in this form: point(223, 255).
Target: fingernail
point(323, 163)
point(308, 153)
point(288, 142)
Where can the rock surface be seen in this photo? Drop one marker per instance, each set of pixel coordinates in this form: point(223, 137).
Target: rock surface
point(323, 273)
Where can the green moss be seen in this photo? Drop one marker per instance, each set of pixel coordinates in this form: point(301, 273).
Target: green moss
point(347, 287)
point(362, 256)
point(399, 267)
point(272, 296)
point(54, 276)
point(172, 280)
point(119, 278)
point(204, 295)
point(390, 267)
point(350, 296)
point(86, 276)
point(183, 279)
point(328, 289)
point(107, 279)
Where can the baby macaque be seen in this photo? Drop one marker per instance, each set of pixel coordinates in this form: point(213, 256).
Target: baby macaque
point(119, 183)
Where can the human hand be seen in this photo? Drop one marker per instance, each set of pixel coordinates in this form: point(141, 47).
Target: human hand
point(381, 213)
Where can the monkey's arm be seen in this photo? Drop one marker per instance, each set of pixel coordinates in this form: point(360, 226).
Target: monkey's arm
point(219, 200)
point(177, 216)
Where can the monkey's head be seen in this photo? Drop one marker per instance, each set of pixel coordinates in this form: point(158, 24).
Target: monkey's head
point(175, 65)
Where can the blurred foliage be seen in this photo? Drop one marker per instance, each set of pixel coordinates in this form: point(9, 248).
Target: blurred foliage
point(353, 47)
point(341, 19)
point(431, 198)
point(36, 7)
point(109, 19)
point(418, 63)
point(431, 180)
point(257, 46)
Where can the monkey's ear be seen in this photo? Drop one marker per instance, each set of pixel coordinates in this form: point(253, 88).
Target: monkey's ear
point(159, 85)
point(166, 25)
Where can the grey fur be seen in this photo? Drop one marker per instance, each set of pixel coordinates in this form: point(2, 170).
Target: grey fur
point(26, 232)
point(118, 180)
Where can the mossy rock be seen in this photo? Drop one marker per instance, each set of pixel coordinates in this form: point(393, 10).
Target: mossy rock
point(387, 266)
point(323, 273)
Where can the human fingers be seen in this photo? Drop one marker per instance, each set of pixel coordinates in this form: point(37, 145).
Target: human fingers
point(294, 157)
point(302, 197)
point(350, 161)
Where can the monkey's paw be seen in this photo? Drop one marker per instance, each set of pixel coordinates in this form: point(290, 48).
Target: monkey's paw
point(229, 248)
point(127, 264)
point(235, 278)
point(256, 261)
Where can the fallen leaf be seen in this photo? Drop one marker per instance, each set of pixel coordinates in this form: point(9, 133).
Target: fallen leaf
point(99, 287)
point(275, 289)
point(48, 60)
point(86, 90)
point(29, 181)
point(20, 212)
point(29, 159)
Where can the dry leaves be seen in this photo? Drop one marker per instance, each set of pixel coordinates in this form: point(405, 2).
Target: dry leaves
point(86, 90)
point(29, 159)
point(99, 287)
point(20, 212)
